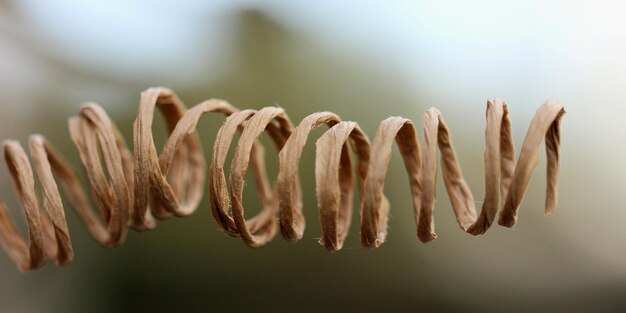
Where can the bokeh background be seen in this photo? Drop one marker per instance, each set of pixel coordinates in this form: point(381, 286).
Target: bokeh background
point(365, 60)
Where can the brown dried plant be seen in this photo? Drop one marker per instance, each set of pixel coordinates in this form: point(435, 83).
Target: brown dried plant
point(171, 183)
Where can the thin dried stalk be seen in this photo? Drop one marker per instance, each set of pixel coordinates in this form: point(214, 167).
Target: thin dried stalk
point(261, 229)
point(123, 185)
point(290, 198)
point(499, 165)
point(334, 180)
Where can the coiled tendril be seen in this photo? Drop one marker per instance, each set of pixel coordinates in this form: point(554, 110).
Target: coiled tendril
point(123, 185)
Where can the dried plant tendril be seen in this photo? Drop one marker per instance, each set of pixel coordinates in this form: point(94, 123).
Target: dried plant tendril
point(133, 189)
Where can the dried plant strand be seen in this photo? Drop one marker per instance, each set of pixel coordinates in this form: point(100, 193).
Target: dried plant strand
point(188, 163)
point(375, 206)
point(334, 180)
point(131, 189)
point(263, 224)
point(499, 164)
point(290, 195)
point(279, 132)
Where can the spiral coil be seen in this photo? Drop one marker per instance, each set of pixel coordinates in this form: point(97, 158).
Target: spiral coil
point(132, 189)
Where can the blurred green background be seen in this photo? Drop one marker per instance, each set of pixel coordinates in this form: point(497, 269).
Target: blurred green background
point(366, 61)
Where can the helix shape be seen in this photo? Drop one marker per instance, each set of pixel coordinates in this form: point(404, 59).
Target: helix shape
point(132, 190)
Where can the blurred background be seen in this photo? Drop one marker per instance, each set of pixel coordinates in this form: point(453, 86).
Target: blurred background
point(366, 61)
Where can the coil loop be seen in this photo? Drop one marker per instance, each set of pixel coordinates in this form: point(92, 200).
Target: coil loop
point(170, 183)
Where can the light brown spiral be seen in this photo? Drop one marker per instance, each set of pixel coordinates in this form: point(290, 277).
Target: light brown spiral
point(124, 185)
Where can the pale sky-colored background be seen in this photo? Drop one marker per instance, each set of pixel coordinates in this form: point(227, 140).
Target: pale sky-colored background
point(365, 60)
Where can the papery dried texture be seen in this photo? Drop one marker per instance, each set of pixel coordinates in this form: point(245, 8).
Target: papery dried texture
point(131, 189)
point(288, 182)
point(264, 222)
point(499, 165)
point(334, 180)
